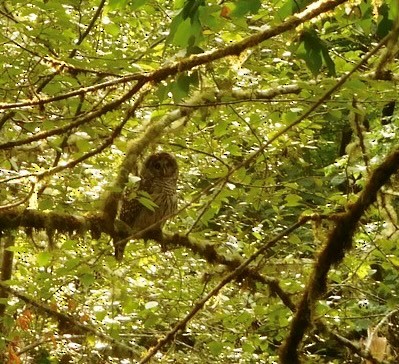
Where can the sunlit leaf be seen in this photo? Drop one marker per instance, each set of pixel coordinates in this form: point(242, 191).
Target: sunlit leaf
point(215, 347)
point(43, 259)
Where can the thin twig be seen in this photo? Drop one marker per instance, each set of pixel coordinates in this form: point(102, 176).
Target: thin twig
point(227, 279)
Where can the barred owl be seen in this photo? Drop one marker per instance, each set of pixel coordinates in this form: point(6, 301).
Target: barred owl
point(158, 179)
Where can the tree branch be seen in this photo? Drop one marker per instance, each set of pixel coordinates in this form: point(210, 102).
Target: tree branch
point(235, 274)
point(97, 224)
point(339, 241)
point(80, 40)
point(5, 274)
point(69, 319)
point(188, 63)
point(80, 121)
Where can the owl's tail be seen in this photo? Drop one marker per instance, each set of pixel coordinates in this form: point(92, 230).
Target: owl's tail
point(119, 246)
point(122, 232)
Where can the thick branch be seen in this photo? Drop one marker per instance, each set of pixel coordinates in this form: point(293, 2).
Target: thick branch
point(339, 241)
point(5, 274)
point(65, 223)
point(97, 224)
point(78, 92)
point(188, 63)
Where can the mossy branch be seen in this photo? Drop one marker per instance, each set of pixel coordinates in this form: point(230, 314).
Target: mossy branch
point(338, 243)
point(193, 61)
point(41, 220)
point(96, 224)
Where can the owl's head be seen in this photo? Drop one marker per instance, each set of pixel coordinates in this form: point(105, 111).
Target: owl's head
point(162, 165)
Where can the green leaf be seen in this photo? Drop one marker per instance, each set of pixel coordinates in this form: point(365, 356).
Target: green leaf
point(112, 29)
point(117, 4)
point(69, 244)
point(248, 347)
point(293, 200)
point(289, 117)
point(310, 50)
point(43, 259)
point(286, 10)
point(130, 305)
point(221, 128)
point(313, 60)
point(328, 61)
point(215, 347)
point(83, 145)
point(209, 214)
point(145, 199)
point(386, 13)
point(151, 319)
point(87, 279)
point(363, 271)
point(162, 92)
point(181, 87)
point(190, 8)
point(185, 32)
point(100, 315)
point(294, 239)
point(209, 17)
point(234, 149)
point(244, 7)
point(135, 4)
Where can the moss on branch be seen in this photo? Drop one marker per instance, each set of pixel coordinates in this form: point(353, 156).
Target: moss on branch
point(41, 220)
point(96, 224)
point(338, 243)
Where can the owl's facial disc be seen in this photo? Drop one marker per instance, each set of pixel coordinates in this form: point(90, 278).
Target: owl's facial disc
point(161, 167)
point(163, 164)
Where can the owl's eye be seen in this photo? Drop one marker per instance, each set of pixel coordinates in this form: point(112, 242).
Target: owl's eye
point(157, 165)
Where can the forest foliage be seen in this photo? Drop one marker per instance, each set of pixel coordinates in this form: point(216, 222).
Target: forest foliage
point(283, 117)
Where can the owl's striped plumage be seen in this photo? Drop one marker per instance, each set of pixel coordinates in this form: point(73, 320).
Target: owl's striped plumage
point(159, 176)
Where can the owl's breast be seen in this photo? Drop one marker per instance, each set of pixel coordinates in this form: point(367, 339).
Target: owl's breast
point(166, 204)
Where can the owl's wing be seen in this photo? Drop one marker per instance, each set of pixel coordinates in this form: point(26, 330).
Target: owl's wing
point(130, 208)
point(129, 211)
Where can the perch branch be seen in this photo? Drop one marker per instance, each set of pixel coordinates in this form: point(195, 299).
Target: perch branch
point(96, 224)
